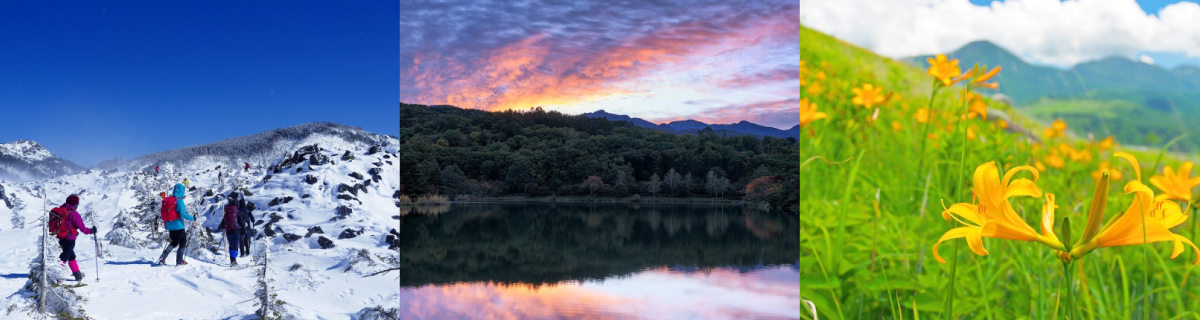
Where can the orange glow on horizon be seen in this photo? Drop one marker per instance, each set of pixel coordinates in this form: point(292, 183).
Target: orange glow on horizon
point(537, 71)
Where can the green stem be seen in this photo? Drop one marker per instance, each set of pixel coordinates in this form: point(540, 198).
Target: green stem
point(1146, 274)
point(924, 140)
point(1067, 292)
point(948, 312)
point(962, 126)
point(962, 161)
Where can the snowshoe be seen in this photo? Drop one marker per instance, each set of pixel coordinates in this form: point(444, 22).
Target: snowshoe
point(162, 261)
point(182, 263)
point(78, 275)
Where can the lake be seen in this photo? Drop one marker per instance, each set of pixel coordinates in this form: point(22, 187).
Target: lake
point(599, 261)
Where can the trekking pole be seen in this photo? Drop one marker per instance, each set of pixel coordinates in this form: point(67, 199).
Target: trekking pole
point(96, 239)
point(42, 257)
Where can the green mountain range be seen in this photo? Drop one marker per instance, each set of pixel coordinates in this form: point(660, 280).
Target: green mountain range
point(1139, 103)
point(1026, 83)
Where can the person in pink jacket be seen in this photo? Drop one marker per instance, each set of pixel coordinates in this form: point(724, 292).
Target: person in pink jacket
point(73, 222)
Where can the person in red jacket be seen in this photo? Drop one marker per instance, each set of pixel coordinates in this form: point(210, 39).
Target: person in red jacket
point(155, 171)
point(247, 167)
point(73, 222)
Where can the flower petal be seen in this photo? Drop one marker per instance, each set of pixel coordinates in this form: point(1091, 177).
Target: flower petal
point(1127, 230)
point(967, 211)
point(1011, 172)
point(1048, 216)
point(1171, 215)
point(1132, 161)
point(974, 241)
point(987, 185)
point(1179, 241)
point(1159, 182)
point(1022, 187)
point(1001, 229)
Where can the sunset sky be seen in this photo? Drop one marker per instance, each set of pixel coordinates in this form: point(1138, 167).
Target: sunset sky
point(713, 61)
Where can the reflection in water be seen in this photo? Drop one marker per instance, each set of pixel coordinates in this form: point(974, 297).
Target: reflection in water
point(717, 293)
point(599, 261)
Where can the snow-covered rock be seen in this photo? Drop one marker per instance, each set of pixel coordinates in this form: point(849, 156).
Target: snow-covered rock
point(123, 200)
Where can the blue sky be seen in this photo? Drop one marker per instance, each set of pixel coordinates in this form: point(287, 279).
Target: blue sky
point(94, 81)
point(1149, 6)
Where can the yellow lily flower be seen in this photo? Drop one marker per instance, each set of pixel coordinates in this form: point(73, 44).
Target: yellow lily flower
point(1059, 125)
point(1144, 213)
point(1064, 148)
point(977, 108)
point(896, 126)
point(808, 112)
point(993, 216)
point(942, 69)
point(987, 76)
point(922, 115)
point(867, 96)
point(814, 88)
point(1055, 161)
point(1051, 133)
point(971, 96)
point(1106, 144)
point(1175, 185)
point(1083, 156)
point(1003, 124)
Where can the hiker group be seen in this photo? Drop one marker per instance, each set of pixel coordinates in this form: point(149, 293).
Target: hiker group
point(236, 222)
point(65, 223)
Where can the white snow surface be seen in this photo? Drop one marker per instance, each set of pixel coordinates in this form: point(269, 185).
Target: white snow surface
point(131, 287)
point(25, 149)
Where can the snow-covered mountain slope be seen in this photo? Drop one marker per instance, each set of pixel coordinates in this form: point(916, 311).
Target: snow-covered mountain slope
point(25, 160)
point(348, 204)
point(259, 149)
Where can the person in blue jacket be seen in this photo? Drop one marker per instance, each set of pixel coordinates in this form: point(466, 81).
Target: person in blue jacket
point(176, 227)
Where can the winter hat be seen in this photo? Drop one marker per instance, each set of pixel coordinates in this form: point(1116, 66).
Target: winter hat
point(73, 200)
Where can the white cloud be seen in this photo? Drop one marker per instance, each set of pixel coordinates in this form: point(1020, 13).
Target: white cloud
point(1146, 59)
point(1061, 33)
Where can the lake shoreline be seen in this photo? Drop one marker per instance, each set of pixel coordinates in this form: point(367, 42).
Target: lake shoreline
point(627, 200)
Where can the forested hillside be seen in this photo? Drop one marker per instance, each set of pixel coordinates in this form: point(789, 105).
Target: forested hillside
point(448, 150)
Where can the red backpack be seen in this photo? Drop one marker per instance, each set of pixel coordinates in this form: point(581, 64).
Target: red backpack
point(58, 225)
point(168, 212)
point(229, 222)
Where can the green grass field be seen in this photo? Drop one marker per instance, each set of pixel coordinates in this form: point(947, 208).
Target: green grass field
point(873, 186)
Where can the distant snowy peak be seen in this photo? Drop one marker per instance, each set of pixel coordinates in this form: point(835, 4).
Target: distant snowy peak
point(25, 160)
point(27, 150)
point(262, 148)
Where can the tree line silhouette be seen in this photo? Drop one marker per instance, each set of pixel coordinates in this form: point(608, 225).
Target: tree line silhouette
point(454, 151)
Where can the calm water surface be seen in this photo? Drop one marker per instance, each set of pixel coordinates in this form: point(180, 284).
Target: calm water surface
point(600, 261)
